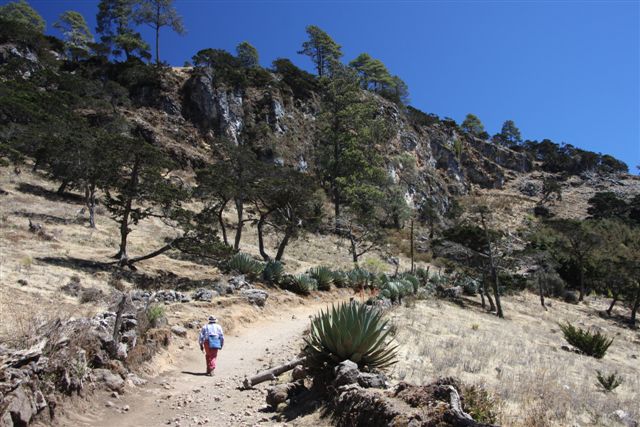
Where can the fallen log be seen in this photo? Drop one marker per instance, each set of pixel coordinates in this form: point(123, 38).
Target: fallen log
point(271, 374)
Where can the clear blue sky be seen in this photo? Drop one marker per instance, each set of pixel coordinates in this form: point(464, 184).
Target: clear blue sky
point(564, 70)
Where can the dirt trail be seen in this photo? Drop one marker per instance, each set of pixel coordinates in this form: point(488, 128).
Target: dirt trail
point(184, 396)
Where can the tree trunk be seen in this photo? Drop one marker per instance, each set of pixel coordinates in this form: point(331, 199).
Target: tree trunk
point(90, 201)
point(124, 221)
point(240, 214)
point(613, 303)
point(153, 254)
point(272, 373)
point(540, 288)
point(283, 245)
point(636, 305)
point(354, 249)
point(157, 34)
point(62, 188)
point(261, 221)
point(223, 228)
point(496, 293)
point(492, 306)
point(581, 279)
point(494, 273)
point(412, 256)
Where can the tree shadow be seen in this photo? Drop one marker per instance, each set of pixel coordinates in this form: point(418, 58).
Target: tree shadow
point(48, 219)
point(618, 319)
point(40, 191)
point(195, 374)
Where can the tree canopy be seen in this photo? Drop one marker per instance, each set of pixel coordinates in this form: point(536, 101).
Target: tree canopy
point(75, 30)
point(158, 14)
point(247, 55)
point(22, 13)
point(323, 51)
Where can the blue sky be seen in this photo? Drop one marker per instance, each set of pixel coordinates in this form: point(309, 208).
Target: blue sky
point(564, 70)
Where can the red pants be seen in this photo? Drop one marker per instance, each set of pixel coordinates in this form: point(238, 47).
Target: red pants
point(211, 355)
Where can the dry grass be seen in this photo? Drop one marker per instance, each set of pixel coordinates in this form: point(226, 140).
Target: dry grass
point(519, 359)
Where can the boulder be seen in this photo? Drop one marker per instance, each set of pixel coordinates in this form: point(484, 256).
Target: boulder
point(179, 330)
point(204, 295)
point(299, 373)
point(239, 283)
point(255, 296)
point(372, 380)
point(21, 407)
point(277, 394)
point(346, 373)
point(112, 381)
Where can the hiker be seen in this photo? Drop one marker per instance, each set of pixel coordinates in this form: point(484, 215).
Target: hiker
point(211, 340)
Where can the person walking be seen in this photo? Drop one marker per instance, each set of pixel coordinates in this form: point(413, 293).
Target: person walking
point(211, 340)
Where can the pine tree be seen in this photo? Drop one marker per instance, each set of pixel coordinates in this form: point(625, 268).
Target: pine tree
point(247, 55)
point(474, 126)
point(510, 134)
point(77, 36)
point(21, 13)
point(157, 14)
point(323, 51)
point(115, 18)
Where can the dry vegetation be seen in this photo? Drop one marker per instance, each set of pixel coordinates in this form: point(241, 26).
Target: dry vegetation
point(520, 360)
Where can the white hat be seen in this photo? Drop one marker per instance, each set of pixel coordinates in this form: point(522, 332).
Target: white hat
point(212, 319)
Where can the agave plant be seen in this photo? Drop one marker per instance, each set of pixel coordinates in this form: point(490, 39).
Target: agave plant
point(244, 264)
point(273, 272)
point(359, 278)
point(340, 279)
point(350, 331)
point(301, 284)
point(323, 276)
point(391, 290)
point(415, 282)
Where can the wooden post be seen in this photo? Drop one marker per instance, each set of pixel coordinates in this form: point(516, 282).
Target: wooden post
point(271, 374)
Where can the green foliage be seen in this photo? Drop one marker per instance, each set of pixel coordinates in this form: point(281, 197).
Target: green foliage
point(509, 135)
point(301, 284)
point(77, 36)
point(591, 344)
point(303, 84)
point(570, 160)
point(423, 275)
point(350, 331)
point(374, 76)
point(158, 14)
point(608, 382)
point(244, 264)
point(340, 279)
point(415, 282)
point(323, 51)
point(22, 13)
point(115, 21)
point(273, 272)
point(474, 126)
point(225, 68)
point(247, 55)
point(155, 313)
point(323, 276)
point(606, 204)
point(458, 147)
point(480, 404)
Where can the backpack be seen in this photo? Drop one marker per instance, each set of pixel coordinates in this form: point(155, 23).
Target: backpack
point(213, 339)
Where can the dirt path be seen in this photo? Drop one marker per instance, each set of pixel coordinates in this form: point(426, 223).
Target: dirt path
point(184, 396)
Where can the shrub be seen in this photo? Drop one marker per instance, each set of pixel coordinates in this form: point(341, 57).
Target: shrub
point(591, 344)
point(415, 282)
point(154, 314)
point(469, 286)
point(423, 275)
point(273, 272)
point(359, 278)
point(323, 276)
point(340, 279)
point(301, 284)
point(479, 404)
point(350, 331)
point(90, 295)
point(608, 382)
point(244, 264)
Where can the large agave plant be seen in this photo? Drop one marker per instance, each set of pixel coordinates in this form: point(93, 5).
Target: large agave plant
point(244, 264)
point(323, 276)
point(273, 272)
point(350, 331)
